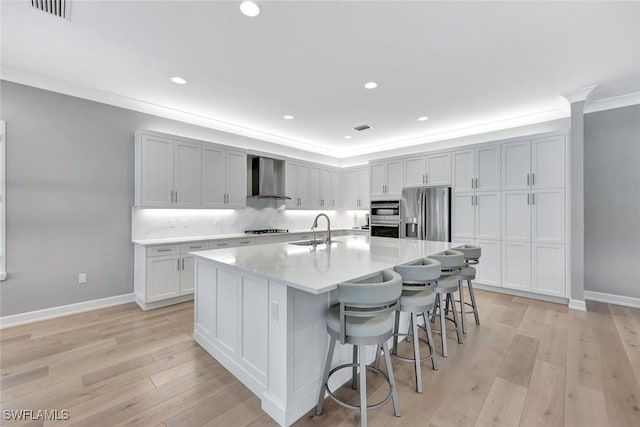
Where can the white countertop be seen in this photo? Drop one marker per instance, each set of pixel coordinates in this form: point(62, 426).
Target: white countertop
point(190, 239)
point(321, 270)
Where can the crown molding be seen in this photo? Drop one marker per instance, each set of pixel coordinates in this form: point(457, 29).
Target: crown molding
point(579, 95)
point(614, 102)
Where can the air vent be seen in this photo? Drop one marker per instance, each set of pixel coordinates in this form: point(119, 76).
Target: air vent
point(59, 8)
point(361, 128)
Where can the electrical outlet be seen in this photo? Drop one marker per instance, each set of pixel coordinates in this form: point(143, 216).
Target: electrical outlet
point(172, 223)
point(185, 222)
point(274, 311)
point(82, 278)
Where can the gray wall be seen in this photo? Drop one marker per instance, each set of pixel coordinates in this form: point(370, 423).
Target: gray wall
point(69, 195)
point(612, 201)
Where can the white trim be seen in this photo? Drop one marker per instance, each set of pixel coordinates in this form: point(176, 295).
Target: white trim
point(612, 299)
point(63, 310)
point(3, 200)
point(614, 102)
point(579, 95)
point(523, 294)
point(578, 305)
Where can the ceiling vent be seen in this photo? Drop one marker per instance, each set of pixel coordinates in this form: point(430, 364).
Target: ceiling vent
point(361, 128)
point(59, 8)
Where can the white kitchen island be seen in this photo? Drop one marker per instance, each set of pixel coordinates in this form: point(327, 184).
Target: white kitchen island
point(260, 311)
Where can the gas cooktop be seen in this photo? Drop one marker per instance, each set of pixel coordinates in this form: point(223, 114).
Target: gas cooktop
point(267, 231)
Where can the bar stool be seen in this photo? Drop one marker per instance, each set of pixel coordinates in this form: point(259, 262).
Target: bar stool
point(417, 299)
point(472, 254)
point(452, 263)
point(363, 316)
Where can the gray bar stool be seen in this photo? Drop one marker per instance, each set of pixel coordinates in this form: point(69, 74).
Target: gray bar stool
point(452, 263)
point(472, 254)
point(363, 316)
point(417, 299)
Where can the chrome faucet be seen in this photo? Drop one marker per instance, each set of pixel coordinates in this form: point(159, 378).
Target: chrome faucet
point(327, 241)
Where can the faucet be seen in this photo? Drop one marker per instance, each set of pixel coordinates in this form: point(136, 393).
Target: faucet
point(327, 241)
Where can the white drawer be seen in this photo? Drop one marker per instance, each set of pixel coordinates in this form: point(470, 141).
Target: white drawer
point(163, 250)
point(194, 246)
point(232, 243)
point(275, 239)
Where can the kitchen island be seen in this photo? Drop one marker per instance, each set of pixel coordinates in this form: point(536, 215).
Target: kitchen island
point(260, 311)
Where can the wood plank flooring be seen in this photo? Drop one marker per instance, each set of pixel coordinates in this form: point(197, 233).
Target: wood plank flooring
point(530, 363)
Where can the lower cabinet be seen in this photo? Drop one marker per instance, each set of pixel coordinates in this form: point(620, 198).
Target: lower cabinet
point(163, 278)
point(534, 267)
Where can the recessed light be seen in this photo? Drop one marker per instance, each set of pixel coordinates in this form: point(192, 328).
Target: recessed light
point(179, 80)
point(371, 85)
point(348, 137)
point(423, 119)
point(287, 117)
point(250, 8)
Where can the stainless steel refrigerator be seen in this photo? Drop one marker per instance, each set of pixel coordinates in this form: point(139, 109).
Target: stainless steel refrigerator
point(427, 213)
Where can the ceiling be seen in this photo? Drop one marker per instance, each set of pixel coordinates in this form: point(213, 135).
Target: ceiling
point(462, 64)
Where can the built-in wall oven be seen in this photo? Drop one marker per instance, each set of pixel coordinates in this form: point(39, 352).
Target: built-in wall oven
point(386, 220)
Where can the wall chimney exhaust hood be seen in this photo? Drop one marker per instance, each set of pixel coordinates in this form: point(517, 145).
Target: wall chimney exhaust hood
point(267, 179)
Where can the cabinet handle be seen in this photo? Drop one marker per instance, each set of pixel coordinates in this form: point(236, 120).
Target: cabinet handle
point(163, 250)
point(476, 186)
point(471, 200)
point(528, 179)
point(426, 178)
point(182, 264)
point(533, 178)
point(222, 244)
point(533, 198)
point(245, 243)
point(476, 200)
point(472, 184)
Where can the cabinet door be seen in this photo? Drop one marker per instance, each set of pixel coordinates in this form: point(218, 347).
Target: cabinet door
point(439, 169)
point(291, 184)
point(335, 195)
point(156, 184)
point(548, 162)
point(236, 179)
point(352, 189)
point(489, 270)
point(414, 171)
point(548, 276)
point(463, 216)
point(548, 219)
point(516, 165)
point(488, 168)
point(378, 180)
point(314, 188)
point(463, 170)
point(488, 224)
point(304, 172)
point(365, 191)
point(516, 265)
point(163, 278)
point(516, 216)
point(187, 274)
point(187, 176)
point(213, 177)
point(394, 178)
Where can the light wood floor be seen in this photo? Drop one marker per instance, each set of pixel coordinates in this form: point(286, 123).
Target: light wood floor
point(529, 363)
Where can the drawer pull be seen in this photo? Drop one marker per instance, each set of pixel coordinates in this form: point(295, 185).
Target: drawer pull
point(245, 243)
point(164, 250)
point(222, 244)
point(196, 247)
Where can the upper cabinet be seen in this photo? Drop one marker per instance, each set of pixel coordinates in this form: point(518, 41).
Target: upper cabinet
point(477, 169)
point(427, 170)
point(356, 187)
point(297, 182)
point(537, 164)
point(173, 172)
point(386, 179)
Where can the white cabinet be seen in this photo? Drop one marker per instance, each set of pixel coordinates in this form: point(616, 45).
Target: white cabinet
point(548, 274)
point(356, 188)
point(516, 165)
point(516, 265)
point(463, 216)
point(224, 177)
point(167, 172)
point(298, 176)
point(477, 169)
point(534, 216)
point(187, 265)
point(428, 170)
point(315, 196)
point(476, 215)
point(336, 189)
point(163, 277)
point(538, 163)
point(516, 216)
point(386, 179)
point(489, 271)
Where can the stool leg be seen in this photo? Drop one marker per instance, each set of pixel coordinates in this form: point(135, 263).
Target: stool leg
point(436, 305)
point(462, 306)
point(410, 330)
point(354, 370)
point(455, 320)
point(396, 328)
point(392, 381)
point(363, 386)
point(443, 330)
point(432, 348)
point(416, 352)
point(325, 376)
point(376, 361)
point(473, 302)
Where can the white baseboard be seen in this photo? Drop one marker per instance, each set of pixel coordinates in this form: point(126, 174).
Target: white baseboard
point(515, 292)
point(612, 299)
point(63, 310)
point(578, 305)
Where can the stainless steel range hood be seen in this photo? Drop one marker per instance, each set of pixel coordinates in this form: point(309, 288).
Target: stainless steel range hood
point(267, 178)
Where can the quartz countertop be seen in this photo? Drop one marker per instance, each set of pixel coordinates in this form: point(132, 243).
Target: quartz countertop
point(206, 237)
point(319, 270)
